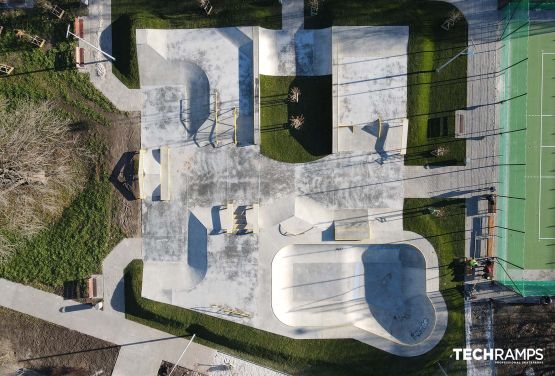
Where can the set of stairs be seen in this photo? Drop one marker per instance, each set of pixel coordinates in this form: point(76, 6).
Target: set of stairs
point(242, 219)
point(239, 225)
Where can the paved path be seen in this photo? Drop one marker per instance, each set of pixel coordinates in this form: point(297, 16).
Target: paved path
point(482, 123)
point(482, 146)
point(142, 348)
point(99, 33)
point(112, 271)
point(292, 15)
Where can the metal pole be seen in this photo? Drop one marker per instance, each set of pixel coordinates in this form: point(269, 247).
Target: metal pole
point(235, 125)
point(217, 117)
point(183, 353)
point(452, 59)
point(442, 370)
point(68, 33)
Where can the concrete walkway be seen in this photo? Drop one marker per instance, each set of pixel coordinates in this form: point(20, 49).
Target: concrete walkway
point(112, 271)
point(482, 151)
point(142, 348)
point(292, 15)
point(98, 31)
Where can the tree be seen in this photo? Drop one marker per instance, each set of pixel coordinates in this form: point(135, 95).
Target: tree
point(440, 151)
point(205, 4)
point(40, 164)
point(294, 94)
point(297, 122)
point(314, 4)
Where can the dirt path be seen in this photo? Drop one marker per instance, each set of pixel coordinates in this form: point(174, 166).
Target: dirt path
point(27, 342)
point(121, 138)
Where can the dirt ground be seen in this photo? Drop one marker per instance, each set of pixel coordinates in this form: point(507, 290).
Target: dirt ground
point(525, 326)
point(166, 367)
point(121, 138)
point(27, 342)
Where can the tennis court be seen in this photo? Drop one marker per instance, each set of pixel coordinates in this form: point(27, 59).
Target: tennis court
point(526, 200)
point(540, 150)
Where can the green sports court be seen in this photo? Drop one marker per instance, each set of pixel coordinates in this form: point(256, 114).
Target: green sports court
point(526, 224)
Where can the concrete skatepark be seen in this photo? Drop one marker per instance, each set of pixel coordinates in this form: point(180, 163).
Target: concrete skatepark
point(313, 250)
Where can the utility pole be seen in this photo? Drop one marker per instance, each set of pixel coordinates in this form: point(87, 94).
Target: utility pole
point(183, 353)
point(470, 50)
point(68, 33)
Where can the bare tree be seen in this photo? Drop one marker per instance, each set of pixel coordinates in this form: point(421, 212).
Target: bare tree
point(436, 212)
point(297, 122)
point(294, 94)
point(314, 5)
point(440, 151)
point(40, 164)
point(453, 17)
point(205, 4)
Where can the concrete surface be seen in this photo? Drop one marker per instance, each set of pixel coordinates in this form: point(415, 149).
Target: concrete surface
point(370, 68)
point(195, 82)
point(379, 288)
point(181, 71)
point(296, 201)
point(190, 260)
point(112, 273)
point(98, 32)
point(302, 53)
point(142, 348)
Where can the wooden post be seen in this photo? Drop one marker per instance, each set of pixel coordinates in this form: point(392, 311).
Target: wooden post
point(33, 39)
point(57, 11)
point(6, 69)
point(205, 4)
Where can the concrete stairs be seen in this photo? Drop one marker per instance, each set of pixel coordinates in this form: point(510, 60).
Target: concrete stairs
point(240, 221)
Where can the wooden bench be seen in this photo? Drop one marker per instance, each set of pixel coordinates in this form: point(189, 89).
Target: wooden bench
point(79, 57)
point(405, 136)
point(78, 26)
point(460, 124)
point(95, 287)
point(491, 235)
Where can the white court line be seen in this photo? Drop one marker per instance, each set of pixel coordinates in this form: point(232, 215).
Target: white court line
point(541, 144)
point(541, 116)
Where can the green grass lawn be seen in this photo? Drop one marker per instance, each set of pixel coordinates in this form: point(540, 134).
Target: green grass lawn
point(127, 16)
point(281, 142)
point(48, 73)
point(447, 235)
point(72, 248)
point(75, 244)
point(430, 94)
point(326, 357)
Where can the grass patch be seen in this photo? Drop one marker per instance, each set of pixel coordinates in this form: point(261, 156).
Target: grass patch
point(430, 94)
point(326, 357)
point(447, 235)
point(48, 73)
point(74, 246)
point(278, 140)
point(71, 249)
point(127, 16)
